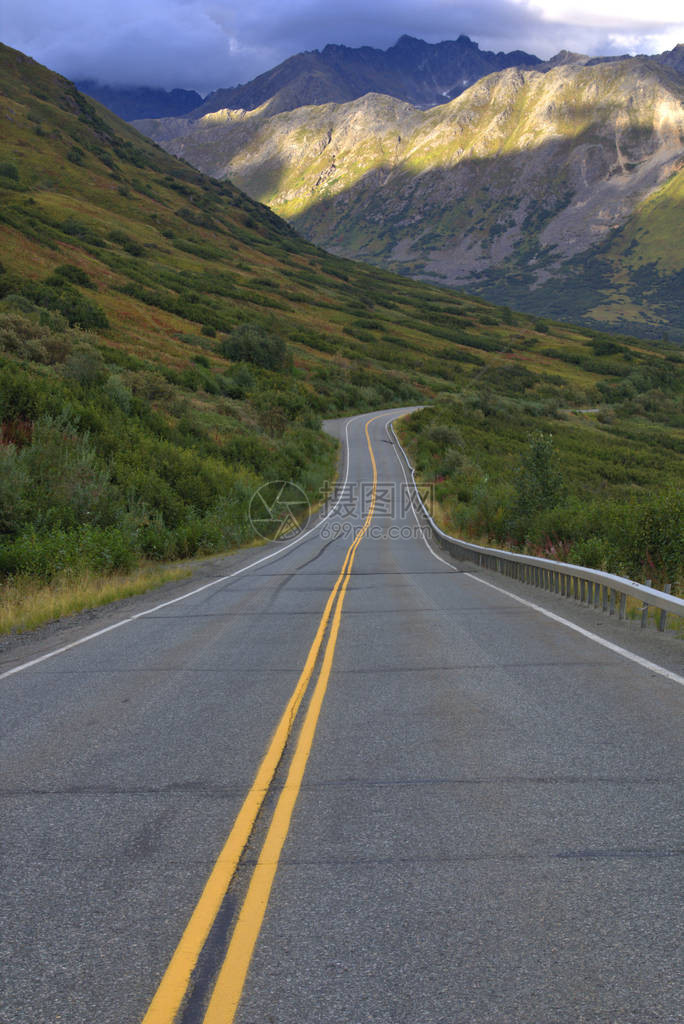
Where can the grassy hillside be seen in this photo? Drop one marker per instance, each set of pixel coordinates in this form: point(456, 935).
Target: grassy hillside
point(167, 344)
point(597, 486)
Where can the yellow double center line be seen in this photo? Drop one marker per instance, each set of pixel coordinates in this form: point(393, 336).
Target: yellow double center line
point(228, 988)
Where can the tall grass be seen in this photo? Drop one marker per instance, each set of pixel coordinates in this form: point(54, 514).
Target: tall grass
point(26, 603)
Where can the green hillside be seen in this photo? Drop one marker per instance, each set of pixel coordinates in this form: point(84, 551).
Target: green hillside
point(168, 344)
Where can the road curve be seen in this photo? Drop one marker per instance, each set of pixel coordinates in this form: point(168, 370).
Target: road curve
point(348, 784)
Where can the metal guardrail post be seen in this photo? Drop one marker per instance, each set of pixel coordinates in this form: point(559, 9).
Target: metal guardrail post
point(623, 605)
point(644, 610)
point(662, 618)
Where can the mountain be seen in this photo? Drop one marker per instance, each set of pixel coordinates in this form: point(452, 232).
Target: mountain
point(673, 58)
point(558, 191)
point(133, 102)
point(669, 58)
point(423, 74)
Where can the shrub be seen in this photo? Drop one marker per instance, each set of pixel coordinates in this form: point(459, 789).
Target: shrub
point(14, 485)
point(127, 243)
point(67, 272)
point(539, 482)
point(595, 552)
point(8, 170)
point(22, 337)
point(61, 296)
point(250, 343)
point(119, 393)
point(86, 367)
point(18, 302)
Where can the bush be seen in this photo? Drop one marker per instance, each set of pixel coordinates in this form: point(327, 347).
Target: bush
point(66, 272)
point(60, 295)
point(86, 367)
point(14, 486)
point(49, 553)
point(538, 483)
point(22, 337)
point(119, 393)
point(8, 170)
point(55, 482)
point(595, 553)
point(250, 343)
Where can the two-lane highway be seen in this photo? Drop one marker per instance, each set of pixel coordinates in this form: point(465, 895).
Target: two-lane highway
point(350, 783)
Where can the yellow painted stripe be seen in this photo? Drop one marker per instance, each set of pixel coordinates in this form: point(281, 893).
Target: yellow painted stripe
point(231, 979)
point(174, 984)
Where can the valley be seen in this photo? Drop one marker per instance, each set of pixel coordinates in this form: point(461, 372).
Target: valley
point(130, 285)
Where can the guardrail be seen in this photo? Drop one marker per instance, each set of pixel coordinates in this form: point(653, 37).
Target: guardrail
point(600, 590)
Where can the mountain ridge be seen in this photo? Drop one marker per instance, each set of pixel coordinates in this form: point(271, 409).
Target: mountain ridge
point(410, 70)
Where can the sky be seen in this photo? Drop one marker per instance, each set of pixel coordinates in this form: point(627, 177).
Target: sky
point(208, 44)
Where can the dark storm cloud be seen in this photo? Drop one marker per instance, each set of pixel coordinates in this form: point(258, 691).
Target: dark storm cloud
point(204, 44)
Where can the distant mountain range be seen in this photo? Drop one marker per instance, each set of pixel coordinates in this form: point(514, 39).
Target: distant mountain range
point(556, 186)
point(133, 102)
point(420, 73)
point(557, 189)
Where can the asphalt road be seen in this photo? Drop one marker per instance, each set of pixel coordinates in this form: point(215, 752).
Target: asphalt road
point(476, 817)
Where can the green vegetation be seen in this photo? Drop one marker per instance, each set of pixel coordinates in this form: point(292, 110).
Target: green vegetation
point(95, 476)
point(602, 489)
point(167, 345)
point(251, 344)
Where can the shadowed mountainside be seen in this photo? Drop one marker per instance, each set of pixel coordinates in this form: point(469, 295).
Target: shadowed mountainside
point(558, 192)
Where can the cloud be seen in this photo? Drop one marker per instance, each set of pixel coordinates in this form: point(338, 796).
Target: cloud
point(205, 44)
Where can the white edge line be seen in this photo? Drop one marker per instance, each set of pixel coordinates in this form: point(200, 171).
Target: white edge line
point(197, 590)
point(643, 662)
